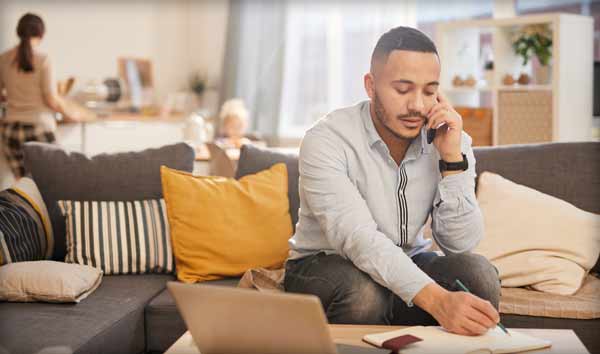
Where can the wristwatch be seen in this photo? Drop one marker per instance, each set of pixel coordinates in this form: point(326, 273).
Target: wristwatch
point(454, 166)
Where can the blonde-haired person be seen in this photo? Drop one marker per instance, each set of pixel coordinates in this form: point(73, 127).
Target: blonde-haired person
point(28, 87)
point(234, 123)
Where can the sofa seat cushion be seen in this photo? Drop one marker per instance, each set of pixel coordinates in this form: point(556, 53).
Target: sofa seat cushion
point(111, 320)
point(164, 325)
point(585, 304)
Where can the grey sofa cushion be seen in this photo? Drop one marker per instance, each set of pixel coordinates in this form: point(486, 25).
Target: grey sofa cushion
point(254, 159)
point(568, 171)
point(60, 174)
point(111, 320)
point(164, 325)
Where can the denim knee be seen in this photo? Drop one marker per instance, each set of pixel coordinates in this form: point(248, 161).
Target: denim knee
point(348, 295)
point(479, 275)
point(361, 301)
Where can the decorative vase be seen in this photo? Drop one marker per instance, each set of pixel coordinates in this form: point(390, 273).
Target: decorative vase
point(194, 129)
point(457, 81)
point(524, 79)
point(508, 80)
point(489, 77)
point(543, 74)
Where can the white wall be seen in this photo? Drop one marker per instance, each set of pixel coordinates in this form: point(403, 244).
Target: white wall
point(207, 29)
point(85, 38)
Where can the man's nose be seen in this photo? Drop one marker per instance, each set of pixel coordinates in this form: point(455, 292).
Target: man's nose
point(416, 104)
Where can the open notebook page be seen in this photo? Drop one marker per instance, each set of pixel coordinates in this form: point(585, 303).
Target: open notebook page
point(438, 340)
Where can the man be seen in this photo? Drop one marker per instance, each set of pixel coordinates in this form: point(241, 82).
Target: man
point(369, 181)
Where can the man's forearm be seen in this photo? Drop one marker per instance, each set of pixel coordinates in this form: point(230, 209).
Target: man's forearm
point(457, 220)
point(429, 296)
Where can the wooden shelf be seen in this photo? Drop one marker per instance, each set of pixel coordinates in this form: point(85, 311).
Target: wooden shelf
point(466, 89)
point(532, 87)
point(489, 24)
point(516, 87)
point(562, 108)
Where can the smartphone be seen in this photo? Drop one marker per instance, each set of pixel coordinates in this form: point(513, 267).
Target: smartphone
point(430, 135)
point(431, 132)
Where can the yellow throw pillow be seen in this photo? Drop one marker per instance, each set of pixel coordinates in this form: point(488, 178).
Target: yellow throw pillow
point(220, 227)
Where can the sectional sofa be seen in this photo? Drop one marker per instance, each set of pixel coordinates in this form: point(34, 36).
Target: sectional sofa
point(135, 313)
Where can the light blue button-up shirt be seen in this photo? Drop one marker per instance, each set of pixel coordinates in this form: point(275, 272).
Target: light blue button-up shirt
point(356, 201)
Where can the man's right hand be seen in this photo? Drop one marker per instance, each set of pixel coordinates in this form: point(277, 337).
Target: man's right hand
point(458, 312)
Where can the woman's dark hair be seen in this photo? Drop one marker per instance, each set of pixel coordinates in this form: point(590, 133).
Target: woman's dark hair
point(29, 26)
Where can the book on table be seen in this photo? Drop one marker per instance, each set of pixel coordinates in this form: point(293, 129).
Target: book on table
point(430, 339)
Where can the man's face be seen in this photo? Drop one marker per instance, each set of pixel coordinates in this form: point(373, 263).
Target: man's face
point(402, 90)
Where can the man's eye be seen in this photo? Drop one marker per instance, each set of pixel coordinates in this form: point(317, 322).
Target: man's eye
point(402, 92)
point(429, 93)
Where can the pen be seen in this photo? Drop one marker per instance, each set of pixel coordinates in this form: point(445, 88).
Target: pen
point(464, 288)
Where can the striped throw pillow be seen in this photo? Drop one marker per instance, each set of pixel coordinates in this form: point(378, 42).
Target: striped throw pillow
point(119, 237)
point(25, 230)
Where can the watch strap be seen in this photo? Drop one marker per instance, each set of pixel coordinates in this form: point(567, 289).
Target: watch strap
point(454, 166)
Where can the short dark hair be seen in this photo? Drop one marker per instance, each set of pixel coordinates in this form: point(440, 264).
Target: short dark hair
point(401, 38)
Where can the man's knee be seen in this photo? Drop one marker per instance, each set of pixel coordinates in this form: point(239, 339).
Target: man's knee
point(348, 295)
point(361, 301)
point(479, 275)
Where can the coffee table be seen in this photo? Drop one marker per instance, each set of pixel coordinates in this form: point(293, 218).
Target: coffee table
point(563, 340)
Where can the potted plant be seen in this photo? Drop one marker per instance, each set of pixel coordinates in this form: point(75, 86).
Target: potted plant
point(198, 84)
point(535, 40)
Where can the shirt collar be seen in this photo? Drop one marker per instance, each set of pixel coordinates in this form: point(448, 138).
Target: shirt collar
point(417, 147)
point(372, 135)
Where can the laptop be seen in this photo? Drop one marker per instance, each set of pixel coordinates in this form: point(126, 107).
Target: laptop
point(243, 321)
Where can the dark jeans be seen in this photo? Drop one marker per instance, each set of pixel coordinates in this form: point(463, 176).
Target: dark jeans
point(351, 296)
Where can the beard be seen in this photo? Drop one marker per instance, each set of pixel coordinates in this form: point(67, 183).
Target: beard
point(386, 120)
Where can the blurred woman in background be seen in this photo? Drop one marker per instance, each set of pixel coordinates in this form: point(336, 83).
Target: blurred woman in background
point(28, 87)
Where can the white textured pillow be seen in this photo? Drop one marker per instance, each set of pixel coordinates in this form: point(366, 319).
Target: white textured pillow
point(535, 239)
point(47, 281)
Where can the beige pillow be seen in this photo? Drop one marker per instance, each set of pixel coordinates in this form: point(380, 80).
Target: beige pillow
point(535, 239)
point(47, 281)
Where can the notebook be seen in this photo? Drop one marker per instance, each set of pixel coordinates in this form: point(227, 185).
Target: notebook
point(438, 340)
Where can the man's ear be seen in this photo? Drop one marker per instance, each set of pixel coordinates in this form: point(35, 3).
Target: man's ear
point(369, 82)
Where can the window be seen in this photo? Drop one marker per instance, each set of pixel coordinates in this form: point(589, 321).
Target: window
point(327, 51)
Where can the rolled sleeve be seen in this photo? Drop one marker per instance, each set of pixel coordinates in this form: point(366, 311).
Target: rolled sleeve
point(345, 220)
point(457, 222)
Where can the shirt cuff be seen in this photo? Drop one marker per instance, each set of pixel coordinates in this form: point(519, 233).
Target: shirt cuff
point(408, 293)
point(455, 185)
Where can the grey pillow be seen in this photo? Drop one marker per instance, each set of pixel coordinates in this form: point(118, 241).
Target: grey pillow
point(64, 175)
point(254, 159)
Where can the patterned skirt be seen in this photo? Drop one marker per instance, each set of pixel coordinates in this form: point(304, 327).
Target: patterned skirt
point(13, 136)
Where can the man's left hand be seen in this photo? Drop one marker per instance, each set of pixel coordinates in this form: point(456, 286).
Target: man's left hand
point(447, 137)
